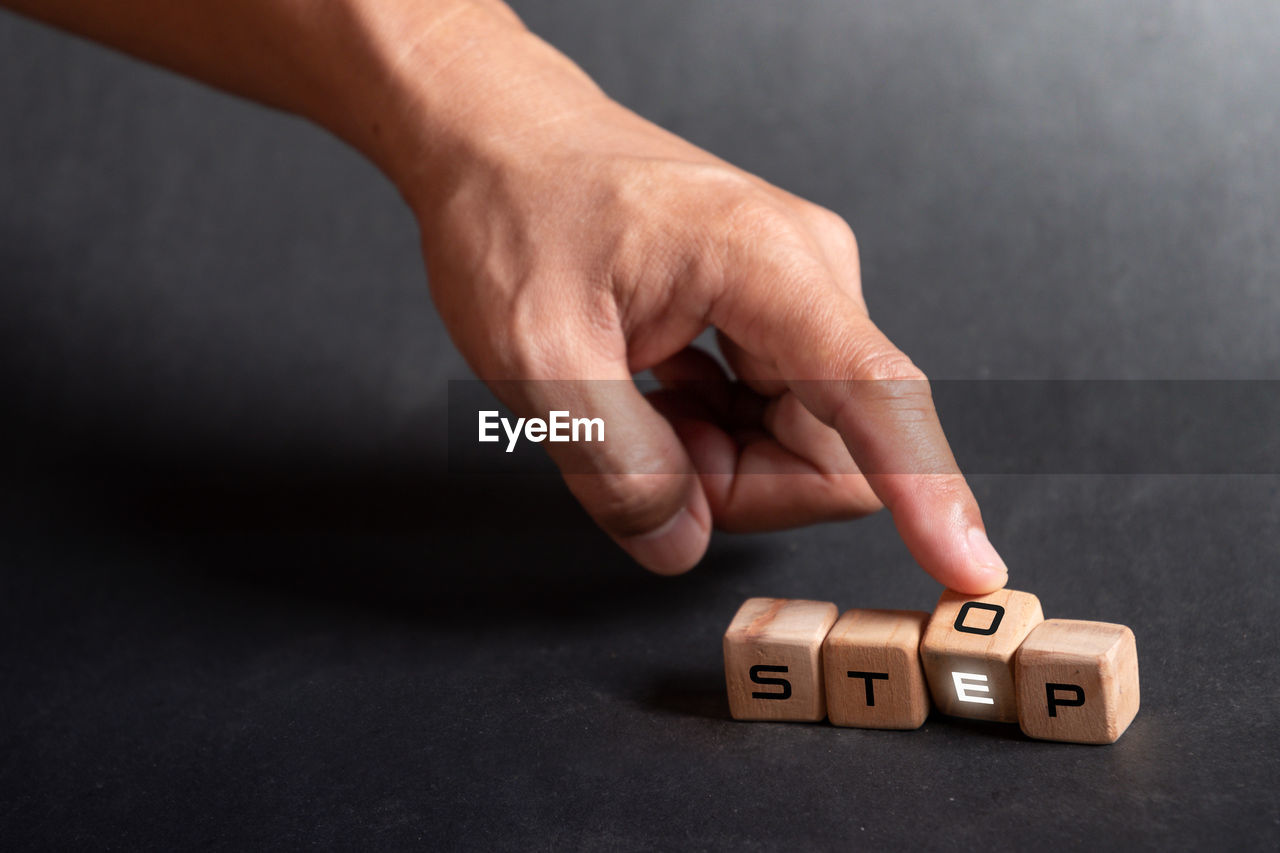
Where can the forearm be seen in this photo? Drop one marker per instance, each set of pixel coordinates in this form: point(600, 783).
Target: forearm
point(407, 82)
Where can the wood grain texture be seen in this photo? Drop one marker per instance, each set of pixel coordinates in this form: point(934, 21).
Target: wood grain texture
point(781, 640)
point(1077, 681)
point(871, 663)
point(970, 668)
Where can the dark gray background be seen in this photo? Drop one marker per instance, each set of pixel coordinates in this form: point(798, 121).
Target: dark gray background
point(241, 603)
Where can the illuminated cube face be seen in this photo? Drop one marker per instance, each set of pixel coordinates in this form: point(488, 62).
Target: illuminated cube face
point(968, 652)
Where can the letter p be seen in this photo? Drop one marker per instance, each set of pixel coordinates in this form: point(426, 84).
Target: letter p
point(1055, 702)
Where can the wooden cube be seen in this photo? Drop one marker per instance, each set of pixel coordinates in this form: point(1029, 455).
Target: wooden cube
point(871, 659)
point(1077, 681)
point(968, 652)
point(773, 659)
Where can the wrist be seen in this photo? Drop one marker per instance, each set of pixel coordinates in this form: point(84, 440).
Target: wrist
point(461, 83)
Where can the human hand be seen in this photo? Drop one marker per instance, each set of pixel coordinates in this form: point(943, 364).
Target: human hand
point(566, 238)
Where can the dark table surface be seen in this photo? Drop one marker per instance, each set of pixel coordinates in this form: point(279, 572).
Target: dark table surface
point(243, 603)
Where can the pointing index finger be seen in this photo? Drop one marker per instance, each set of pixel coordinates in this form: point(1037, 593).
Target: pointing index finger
point(854, 379)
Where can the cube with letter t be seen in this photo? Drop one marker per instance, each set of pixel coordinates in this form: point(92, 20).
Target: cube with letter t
point(1077, 681)
point(872, 663)
point(968, 652)
point(773, 659)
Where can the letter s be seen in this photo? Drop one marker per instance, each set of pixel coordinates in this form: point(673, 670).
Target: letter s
point(781, 682)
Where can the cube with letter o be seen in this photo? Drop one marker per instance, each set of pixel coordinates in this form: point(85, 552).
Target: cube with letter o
point(968, 652)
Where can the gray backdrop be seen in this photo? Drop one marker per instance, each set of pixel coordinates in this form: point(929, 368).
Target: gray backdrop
point(242, 603)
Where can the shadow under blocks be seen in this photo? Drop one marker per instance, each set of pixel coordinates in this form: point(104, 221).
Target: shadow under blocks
point(989, 657)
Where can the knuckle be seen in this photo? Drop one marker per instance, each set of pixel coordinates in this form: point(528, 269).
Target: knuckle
point(886, 364)
point(836, 232)
point(632, 504)
point(849, 238)
point(522, 342)
point(939, 489)
point(886, 378)
point(536, 340)
point(755, 223)
point(768, 243)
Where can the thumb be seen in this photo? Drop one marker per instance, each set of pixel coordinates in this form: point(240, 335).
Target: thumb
point(631, 474)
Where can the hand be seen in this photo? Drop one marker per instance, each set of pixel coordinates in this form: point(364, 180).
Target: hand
point(568, 239)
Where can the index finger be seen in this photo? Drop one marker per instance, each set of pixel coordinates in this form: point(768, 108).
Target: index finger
point(848, 373)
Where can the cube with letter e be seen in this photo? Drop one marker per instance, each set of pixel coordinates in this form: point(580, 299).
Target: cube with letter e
point(773, 659)
point(968, 652)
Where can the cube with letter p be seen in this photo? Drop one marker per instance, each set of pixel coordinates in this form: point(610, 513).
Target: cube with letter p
point(1077, 681)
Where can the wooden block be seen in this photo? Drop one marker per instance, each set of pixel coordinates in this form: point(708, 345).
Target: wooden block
point(871, 659)
point(968, 652)
point(1077, 681)
point(773, 659)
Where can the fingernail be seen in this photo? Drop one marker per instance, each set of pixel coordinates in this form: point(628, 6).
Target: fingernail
point(673, 548)
point(985, 557)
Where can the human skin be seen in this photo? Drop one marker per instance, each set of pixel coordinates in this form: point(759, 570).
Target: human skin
point(567, 238)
